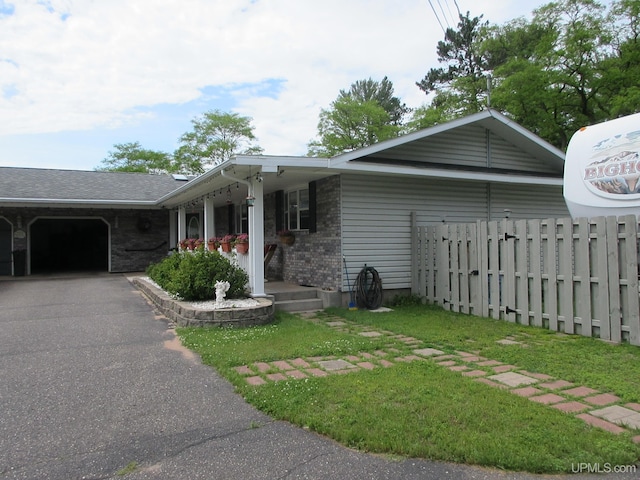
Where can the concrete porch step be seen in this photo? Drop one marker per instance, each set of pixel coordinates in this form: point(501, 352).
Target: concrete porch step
point(299, 305)
point(294, 298)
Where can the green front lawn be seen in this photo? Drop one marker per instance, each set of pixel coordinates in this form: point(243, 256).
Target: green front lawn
point(421, 409)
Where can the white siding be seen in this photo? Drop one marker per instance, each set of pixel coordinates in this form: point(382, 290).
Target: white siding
point(527, 201)
point(376, 216)
point(469, 146)
point(376, 219)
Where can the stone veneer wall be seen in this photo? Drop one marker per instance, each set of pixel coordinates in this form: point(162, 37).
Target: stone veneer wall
point(315, 258)
point(132, 248)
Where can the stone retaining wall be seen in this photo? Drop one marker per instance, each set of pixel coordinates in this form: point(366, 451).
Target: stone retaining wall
point(185, 315)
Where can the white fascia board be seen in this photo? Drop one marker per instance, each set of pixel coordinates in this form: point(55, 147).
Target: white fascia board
point(451, 174)
point(281, 161)
point(75, 203)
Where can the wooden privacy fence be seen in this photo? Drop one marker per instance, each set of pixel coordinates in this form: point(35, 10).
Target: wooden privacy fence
point(573, 276)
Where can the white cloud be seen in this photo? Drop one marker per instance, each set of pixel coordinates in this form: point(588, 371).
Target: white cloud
point(87, 64)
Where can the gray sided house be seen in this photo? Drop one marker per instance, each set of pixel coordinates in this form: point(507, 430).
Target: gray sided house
point(357, 206)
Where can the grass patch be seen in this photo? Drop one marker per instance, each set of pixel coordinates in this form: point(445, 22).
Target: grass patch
point(578, 359)
point(130, 468)
point(289, 337)
point(421, 409)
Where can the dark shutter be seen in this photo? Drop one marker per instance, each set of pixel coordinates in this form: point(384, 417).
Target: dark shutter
point(312, 207)
point(280, 210)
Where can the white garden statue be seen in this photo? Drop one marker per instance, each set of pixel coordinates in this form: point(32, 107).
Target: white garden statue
point(221, 291)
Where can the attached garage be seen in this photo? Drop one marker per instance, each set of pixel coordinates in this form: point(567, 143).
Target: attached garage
point(69, 245)
point(56, 221)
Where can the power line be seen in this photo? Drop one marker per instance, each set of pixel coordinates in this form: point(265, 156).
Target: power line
point(437, 17)
point(444, 14)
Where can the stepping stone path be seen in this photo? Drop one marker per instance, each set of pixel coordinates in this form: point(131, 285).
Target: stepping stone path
point(600, 409)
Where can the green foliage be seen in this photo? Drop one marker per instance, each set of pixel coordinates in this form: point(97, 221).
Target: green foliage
point(380, 92)
point(216, 137)
point(366, 114)
point(131, 157)
point(192, 275)
point(462, 84)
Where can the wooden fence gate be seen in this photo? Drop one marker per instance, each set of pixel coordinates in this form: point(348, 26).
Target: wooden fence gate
point(573, 276)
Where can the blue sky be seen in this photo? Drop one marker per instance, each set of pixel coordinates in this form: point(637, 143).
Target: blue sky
point(78, 76)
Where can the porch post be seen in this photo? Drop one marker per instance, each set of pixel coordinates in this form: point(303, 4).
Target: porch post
point(256, 240)
point(182, 223)
point(173, 229)
point(209, 220)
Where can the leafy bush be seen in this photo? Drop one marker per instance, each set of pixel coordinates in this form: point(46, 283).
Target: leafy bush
point(193, 275)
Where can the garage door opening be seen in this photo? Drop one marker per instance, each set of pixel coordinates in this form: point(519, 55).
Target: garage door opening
point(69, 245)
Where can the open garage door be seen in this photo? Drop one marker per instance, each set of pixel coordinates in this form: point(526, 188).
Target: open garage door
point(69, 244)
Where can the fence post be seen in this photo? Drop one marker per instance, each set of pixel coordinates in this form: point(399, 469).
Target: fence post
point(565, 273)
point(473, 276)
point(599, 296)
point(535, 267)
point(630, 265)
point(494, 270)
point(550, 295)
point(521, 273)
point(443, 289)
point(508, 268)
point(582, 277)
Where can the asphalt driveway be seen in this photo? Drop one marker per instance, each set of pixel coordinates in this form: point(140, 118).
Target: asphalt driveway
point(91, 381)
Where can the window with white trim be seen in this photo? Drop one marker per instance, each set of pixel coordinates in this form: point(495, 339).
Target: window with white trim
point(296, 209)
point(241, 221)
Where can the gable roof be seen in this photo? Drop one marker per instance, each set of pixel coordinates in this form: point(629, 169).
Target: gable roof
point(73, 187)
point(489, 119)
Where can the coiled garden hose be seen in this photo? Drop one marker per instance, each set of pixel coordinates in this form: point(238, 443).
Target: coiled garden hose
point(368, 287)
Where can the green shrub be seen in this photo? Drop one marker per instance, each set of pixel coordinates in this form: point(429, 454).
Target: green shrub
point(193, 275)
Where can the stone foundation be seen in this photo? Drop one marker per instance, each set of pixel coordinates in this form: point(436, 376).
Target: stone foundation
point(185, 315)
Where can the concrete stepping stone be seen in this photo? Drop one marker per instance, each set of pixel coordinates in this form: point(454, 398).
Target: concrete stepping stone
point(602, 399)
point(299, 362)
point(243, 370)
point(282, 365)
point(370, 334)
point(428, 352)
point(619, 415)
point(333, 365)
point(558, 384)
point(503, 368)
point(547, 398)
point(580, 391)
point(526, 391)
point(513, 379)
point(336, 324)
point(506, 341)
point(600, 423)
point(255, 380)
point(570, 407)
point(489, 363)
